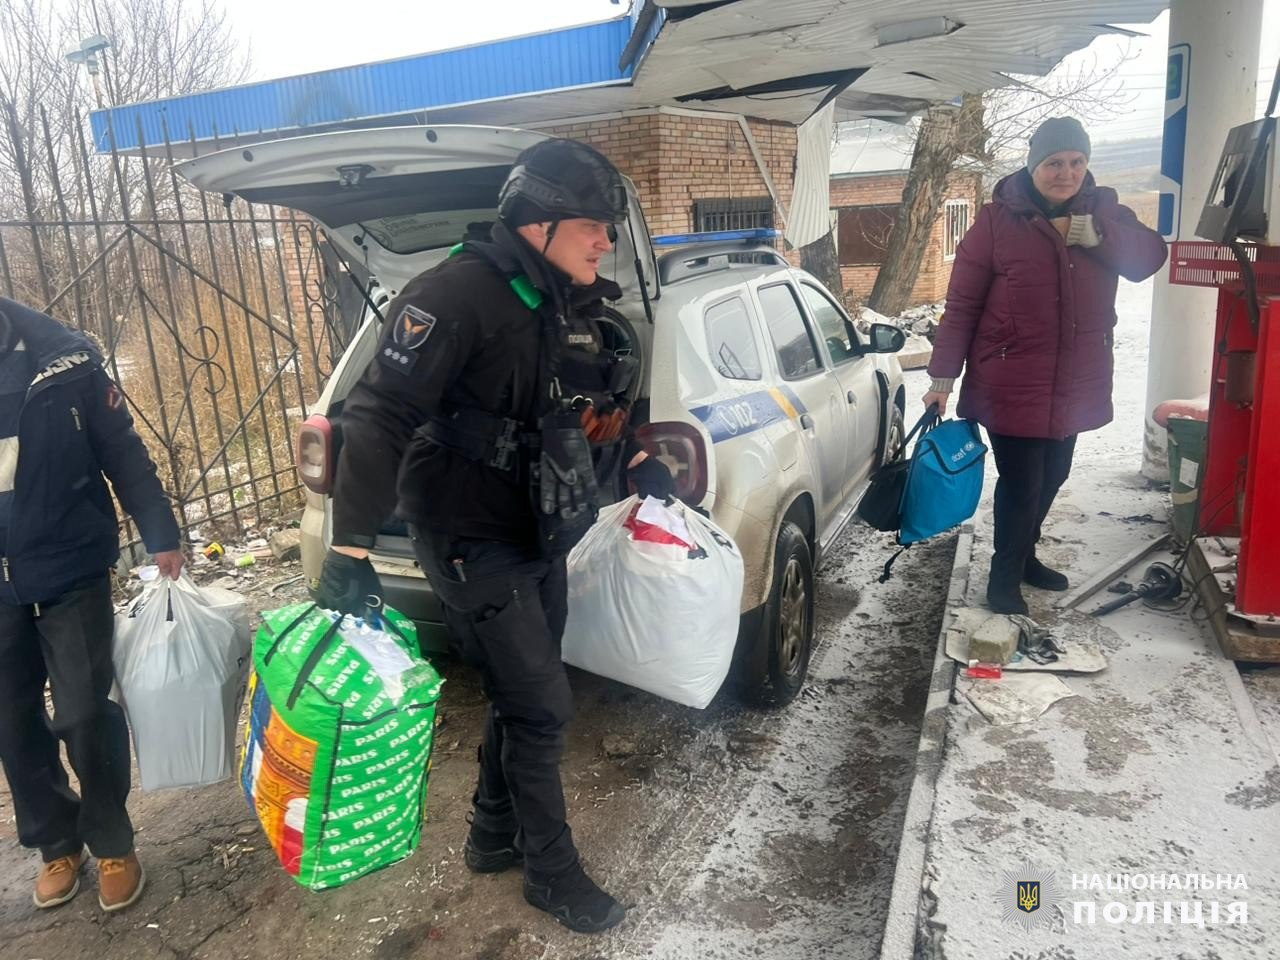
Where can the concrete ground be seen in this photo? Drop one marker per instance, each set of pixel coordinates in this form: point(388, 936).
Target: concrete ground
point(1166, 763)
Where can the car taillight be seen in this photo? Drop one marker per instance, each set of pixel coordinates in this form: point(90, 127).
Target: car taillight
point(315, 454)
point(681, 448)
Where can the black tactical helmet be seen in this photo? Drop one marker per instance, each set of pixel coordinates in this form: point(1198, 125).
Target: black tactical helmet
point(560, 180)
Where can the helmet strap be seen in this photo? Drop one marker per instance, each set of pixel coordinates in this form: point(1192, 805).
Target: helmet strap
point(551, 235)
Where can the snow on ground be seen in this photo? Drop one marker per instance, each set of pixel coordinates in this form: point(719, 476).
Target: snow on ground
point(800, 866)
point(1158, 765)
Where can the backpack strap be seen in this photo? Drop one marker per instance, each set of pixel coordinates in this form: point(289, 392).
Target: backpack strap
point(927, 422)
point(524, 288)
point(888, 567)
point(549, 314)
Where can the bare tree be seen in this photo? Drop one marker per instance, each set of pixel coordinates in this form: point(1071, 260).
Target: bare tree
point(987, 133)
point(945, 135)
point(1085, 90)
point(819, 258)
point(158, 48)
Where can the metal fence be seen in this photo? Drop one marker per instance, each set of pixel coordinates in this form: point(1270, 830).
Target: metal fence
point(219, 320)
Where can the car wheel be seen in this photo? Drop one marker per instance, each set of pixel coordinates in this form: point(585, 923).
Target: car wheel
point(787, 629)
point(893, 437)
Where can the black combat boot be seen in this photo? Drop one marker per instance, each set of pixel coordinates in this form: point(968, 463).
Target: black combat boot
point(1046, 578)
point(574, 899)
point(487, 851)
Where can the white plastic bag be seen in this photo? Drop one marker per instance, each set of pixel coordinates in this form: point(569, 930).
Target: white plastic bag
point(182, 662)
point(226, 603)
point(657, 616)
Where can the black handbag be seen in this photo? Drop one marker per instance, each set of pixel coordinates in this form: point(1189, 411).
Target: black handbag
point(881, 504)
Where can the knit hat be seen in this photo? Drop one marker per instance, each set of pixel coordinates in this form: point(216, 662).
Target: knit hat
point(1053, 136)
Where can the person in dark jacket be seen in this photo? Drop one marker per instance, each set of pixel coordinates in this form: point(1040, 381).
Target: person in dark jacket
point(63, 425)
point(463, 424)
point(1029, 319)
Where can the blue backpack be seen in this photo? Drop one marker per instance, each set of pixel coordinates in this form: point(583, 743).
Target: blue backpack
point(943, 482)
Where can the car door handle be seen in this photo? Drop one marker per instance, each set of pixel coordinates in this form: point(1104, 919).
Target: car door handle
point(851, 398)
point(806, 421)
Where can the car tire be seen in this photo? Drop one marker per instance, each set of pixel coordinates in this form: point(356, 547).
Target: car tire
point(894, 436)
point(786, 634)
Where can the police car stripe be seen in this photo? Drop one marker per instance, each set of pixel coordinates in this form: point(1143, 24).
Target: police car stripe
point(738, 416)
point(787, 406)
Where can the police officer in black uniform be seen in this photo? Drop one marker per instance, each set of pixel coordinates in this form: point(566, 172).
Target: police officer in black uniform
point(469, 423)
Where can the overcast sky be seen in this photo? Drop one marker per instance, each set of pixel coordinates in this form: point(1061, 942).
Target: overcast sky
point(291, 37)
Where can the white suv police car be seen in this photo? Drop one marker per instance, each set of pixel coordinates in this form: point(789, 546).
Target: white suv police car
point(756, 389)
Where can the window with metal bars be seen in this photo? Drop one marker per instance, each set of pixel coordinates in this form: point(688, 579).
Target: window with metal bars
point(955, 227)
point(745, 213)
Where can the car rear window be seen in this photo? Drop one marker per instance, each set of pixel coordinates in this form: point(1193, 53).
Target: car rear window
point(732, 341)
point(792, 338)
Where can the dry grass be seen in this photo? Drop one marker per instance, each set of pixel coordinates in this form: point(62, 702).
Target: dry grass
point(208, 344)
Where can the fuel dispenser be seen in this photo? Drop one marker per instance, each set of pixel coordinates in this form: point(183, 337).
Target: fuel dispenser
point(1235, 559)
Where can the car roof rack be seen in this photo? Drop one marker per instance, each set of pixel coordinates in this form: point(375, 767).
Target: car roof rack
point(702, 253)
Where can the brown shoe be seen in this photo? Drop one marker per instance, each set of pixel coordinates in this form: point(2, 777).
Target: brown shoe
point(120, 881)
point(59, 881)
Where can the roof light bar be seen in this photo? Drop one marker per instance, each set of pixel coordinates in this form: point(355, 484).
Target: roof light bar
point(716, 236)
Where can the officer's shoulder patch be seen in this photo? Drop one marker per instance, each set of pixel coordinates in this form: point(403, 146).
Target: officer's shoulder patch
point(397, 358)
point(412, 327)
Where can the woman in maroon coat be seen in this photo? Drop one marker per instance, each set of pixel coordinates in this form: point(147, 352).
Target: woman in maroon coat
point(1030, 314)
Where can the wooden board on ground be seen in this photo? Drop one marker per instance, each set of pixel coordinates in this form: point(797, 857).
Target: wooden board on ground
point(1239, 638)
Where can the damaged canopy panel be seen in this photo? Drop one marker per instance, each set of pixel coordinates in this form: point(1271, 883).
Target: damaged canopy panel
point(783, 61)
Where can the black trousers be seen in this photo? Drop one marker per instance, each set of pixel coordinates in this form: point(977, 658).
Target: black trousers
point(67, 642)
point(1031, 471)
point(505, 608)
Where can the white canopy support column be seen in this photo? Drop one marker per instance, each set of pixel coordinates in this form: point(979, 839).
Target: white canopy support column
point(1212, 87)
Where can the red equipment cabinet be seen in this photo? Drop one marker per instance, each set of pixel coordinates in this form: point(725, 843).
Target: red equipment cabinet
point(1240, 479)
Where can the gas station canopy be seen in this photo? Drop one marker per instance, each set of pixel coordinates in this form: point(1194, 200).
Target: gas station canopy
point(782, 60)
point(759, 58)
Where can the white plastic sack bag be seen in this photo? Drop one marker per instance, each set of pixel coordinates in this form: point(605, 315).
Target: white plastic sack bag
point(182, 663)
point(226, 603)
point(658, 616)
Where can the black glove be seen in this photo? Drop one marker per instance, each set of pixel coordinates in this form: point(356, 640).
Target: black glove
point(566, 475)
point(346, 583)
point(651, 478)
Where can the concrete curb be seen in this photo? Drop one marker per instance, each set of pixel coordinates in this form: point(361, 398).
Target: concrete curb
point(904, 920)
point(915, 361)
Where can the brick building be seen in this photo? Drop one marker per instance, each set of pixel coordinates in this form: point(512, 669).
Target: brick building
point(869, 167)
point(697, 171)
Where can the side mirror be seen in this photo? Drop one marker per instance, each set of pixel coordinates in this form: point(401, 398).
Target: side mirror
point(886, 338)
